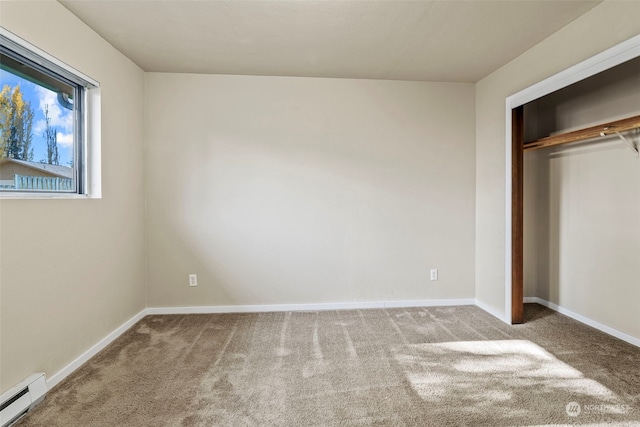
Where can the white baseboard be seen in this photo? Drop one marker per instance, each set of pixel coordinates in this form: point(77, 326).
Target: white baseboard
point(580, 318)
point(430, 303)
point(67, 370)
point(258, 308)
point(307, 307)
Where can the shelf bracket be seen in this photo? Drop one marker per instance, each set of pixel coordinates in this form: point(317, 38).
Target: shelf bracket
point(631, 144)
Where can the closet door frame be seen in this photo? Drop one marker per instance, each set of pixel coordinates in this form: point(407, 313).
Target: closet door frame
point(514, 200)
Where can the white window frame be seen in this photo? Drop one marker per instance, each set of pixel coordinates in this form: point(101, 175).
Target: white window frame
point(87, 123)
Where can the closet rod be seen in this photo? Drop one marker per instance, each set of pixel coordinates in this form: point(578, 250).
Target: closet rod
point(604, 129)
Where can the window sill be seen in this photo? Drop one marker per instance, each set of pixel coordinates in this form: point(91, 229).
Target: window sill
point(44, 196)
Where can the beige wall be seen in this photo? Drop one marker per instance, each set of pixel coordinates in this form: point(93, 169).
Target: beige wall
point(587, 215)
point(279, 190)
point(72, 271)
point(578, 41)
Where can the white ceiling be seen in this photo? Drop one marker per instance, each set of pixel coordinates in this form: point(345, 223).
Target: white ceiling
point(456, 41)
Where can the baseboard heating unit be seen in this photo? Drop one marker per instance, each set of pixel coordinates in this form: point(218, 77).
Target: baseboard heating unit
point(21, 399)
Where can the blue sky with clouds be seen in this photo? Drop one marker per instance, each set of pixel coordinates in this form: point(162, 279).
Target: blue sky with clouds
point(61, 118)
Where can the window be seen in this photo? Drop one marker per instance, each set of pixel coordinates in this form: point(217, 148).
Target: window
point(43, 110)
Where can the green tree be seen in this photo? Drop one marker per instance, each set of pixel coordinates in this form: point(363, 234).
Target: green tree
point(51, 137)
point(16, 123)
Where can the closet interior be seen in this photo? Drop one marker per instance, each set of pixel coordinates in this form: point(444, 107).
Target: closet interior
point(576, 186)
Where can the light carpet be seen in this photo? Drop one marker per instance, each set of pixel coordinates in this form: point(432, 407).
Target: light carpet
point(385, 367)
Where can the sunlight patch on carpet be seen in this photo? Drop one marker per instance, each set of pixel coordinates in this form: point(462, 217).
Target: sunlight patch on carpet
point(481, 374)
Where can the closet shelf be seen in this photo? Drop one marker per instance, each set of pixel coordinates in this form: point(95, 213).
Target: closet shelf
point(605, 129)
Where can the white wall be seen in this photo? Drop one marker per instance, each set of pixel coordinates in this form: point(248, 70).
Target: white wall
point(587, 214)
point(280, 190)
point(581, 39)
point(72, 271)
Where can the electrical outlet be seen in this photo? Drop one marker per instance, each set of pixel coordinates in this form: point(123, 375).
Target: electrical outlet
point(193, 280)
point(434, 274)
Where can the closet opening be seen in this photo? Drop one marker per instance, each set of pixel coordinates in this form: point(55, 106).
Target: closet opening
point(581, 126)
